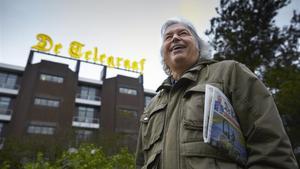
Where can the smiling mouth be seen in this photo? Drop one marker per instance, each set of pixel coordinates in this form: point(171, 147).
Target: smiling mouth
point(177, 47)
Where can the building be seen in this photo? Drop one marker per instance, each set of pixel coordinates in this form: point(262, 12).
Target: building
point(50, 100)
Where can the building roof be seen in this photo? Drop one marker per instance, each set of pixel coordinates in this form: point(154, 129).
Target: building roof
point(12, 67)
point(92, 81)
point(81, 79)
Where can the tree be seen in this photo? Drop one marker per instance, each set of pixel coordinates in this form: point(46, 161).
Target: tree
point(286, 64)
point(245, 31)
point(284, 78)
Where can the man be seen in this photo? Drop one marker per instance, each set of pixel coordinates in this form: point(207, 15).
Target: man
point(171, 127)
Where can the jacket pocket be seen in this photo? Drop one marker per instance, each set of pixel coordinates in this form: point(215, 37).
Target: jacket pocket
point(192, 113)
point(201, 155)
point(152, 125)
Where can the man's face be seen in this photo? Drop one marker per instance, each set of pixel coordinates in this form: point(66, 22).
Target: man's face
point(179, 48)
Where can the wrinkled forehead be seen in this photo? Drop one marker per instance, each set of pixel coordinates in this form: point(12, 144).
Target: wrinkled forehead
point(176, 27)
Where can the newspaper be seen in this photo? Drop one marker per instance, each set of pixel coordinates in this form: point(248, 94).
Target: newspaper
point(221, 128)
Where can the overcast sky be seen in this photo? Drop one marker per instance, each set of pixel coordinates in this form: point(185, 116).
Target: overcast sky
point(124, 28)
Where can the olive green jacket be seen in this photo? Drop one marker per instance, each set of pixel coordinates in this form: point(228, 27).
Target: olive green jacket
point(171, 137)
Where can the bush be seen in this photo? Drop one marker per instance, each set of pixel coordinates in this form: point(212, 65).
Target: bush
point(87, 156)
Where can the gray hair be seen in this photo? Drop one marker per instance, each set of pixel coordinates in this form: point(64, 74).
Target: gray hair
point(204, 49)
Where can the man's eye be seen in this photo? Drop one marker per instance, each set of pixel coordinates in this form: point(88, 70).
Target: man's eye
point(183, 33)
point(168, 37)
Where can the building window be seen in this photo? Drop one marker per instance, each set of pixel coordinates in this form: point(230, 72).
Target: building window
point(86, 114)
point(129, 91)
point(46, 102)
point(51, 78)
point(88, 93)
point(4, 102)
point(4, 105)
point(83, 134)
point(8, 80)
point(36, 129)
point(147, 100)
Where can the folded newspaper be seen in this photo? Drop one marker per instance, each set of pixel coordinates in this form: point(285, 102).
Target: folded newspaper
point(221, 128)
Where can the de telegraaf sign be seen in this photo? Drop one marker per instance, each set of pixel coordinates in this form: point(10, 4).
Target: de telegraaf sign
point(45, 44)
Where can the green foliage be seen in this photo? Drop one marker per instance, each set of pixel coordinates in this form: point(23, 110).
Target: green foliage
point(245, 31)
point(123, 160)
point(50, 152)
point(5, 165)
point(40, 163)
point(87, 156)
point(16, 152)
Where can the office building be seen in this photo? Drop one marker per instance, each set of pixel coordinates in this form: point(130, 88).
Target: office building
point(51, 100)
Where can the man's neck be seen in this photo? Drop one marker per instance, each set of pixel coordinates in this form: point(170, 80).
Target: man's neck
point(176, 76)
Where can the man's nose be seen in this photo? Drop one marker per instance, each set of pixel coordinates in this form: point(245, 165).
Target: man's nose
point(175, 38)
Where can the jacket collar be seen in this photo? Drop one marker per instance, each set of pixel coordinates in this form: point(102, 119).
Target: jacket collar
point(189, 75)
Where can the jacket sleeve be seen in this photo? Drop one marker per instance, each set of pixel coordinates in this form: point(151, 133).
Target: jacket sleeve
point(139, 156)
point(268, 145)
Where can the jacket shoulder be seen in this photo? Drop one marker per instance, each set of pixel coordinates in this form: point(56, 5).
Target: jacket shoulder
point(232, 65)
point(226, 63)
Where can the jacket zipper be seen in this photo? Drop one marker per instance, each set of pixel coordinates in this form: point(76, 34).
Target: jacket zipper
point(180, 121)
point(165, 131)
point(179, 129)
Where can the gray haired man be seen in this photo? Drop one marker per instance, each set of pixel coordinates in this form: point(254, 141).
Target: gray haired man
point(171, 128)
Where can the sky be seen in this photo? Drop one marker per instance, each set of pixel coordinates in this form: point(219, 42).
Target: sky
point(122, 28)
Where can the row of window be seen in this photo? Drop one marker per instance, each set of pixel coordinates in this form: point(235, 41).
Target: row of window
point(9, 81)
point(5, 102)
point(82, 110)
point(46, 130)
point(90, 93)
point(49, 130)
point(85, 113)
